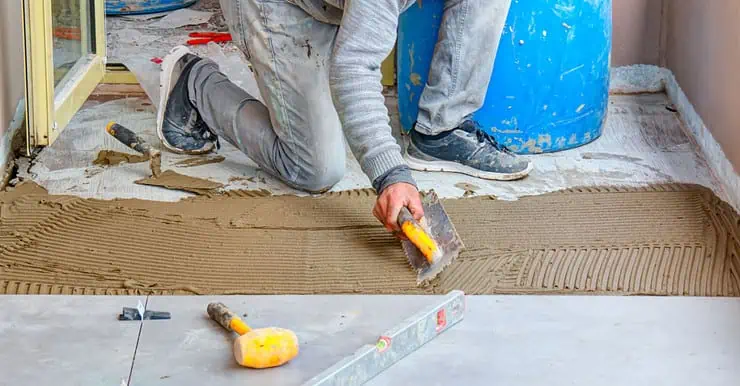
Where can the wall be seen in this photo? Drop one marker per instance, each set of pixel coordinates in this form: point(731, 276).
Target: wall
point(637, 31)
point(11, 65)
point(703, 51)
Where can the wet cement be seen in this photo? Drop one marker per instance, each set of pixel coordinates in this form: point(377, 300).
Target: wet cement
point(200, 161)
point(664, 240)
point(112, 157)
point(168, 179)
point(171, 179)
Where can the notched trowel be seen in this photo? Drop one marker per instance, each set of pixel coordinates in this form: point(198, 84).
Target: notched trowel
point(433, 242)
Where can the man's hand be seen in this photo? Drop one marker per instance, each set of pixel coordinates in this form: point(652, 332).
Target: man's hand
point(392, 199)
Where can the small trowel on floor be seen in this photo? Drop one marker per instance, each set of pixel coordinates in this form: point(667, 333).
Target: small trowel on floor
point(130, 139)
point(433, 242)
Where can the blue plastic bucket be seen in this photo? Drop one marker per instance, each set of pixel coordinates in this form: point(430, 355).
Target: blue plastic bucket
point(140, 7)
point(550, 85)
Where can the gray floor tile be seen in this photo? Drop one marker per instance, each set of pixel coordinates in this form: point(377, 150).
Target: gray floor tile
point(190, 349)
point(581, 341)
point(508, 340)
point(66, 340)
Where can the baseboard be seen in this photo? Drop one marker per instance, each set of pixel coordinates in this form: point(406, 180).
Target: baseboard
point(646, 78)
point(638, 79)
point(6, 141)
point(711, 149)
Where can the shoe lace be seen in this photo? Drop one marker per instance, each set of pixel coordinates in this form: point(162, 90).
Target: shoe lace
point(486, 138)
point(205, 133)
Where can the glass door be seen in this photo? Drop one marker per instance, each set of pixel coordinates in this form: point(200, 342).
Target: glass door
point(64, 48)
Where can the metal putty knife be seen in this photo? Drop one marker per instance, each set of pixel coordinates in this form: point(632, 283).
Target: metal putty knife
point(433, 243)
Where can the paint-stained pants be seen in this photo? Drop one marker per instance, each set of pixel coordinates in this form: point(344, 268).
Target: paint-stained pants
point(297, 135)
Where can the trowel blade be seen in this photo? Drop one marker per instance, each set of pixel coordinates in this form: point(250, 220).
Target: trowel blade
point(439, 227)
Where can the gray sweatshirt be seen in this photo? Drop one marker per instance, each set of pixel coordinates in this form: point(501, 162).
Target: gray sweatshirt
point(366, 36)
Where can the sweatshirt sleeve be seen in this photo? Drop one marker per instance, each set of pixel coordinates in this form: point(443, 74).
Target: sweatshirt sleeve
point(366, 36)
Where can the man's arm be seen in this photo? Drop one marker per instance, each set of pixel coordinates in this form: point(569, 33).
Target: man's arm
point(366, 36)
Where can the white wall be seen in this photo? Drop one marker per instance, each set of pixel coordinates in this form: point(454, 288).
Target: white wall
point(703, 51)
point(637, 31)
point(11, 70)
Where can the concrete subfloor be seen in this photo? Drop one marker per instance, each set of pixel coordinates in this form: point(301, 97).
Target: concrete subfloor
point(507, 340)
point(643, 143)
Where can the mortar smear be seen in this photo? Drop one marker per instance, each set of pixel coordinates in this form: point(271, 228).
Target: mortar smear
point(200, 161)
point(112, 157)
point(664, 240)
point(171, 179)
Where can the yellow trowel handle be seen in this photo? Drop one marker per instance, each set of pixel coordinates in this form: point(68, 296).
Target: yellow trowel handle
point(227, 319)
point(417, 235)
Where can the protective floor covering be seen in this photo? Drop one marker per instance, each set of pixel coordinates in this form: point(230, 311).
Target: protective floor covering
point(663, 240)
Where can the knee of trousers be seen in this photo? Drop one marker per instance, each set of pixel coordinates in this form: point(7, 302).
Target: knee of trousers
point(320, 158)
point(321, 174)
point(318, 171)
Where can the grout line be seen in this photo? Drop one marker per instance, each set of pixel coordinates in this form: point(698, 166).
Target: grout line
point(136, 347)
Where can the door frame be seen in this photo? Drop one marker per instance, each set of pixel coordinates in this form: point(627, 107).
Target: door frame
point(47, 111)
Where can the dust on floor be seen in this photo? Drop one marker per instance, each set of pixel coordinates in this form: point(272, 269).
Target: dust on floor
point(135, 40)
point(643, 143)
point(662, 240)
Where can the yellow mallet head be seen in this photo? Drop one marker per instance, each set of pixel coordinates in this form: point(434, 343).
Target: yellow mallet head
point(265, 347)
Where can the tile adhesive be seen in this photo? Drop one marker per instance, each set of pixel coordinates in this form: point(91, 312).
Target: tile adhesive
point(112, 157)
point(662, 240)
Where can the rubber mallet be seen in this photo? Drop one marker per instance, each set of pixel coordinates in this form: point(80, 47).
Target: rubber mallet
point(259, 348)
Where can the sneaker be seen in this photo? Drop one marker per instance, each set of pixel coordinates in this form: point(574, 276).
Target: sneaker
point(467, 150)
point(179, 125)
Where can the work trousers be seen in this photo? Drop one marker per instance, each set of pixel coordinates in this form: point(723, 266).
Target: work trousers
point(297, 135)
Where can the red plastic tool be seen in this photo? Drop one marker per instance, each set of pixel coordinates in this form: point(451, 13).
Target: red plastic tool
point(67, 33)
point(206, 37)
